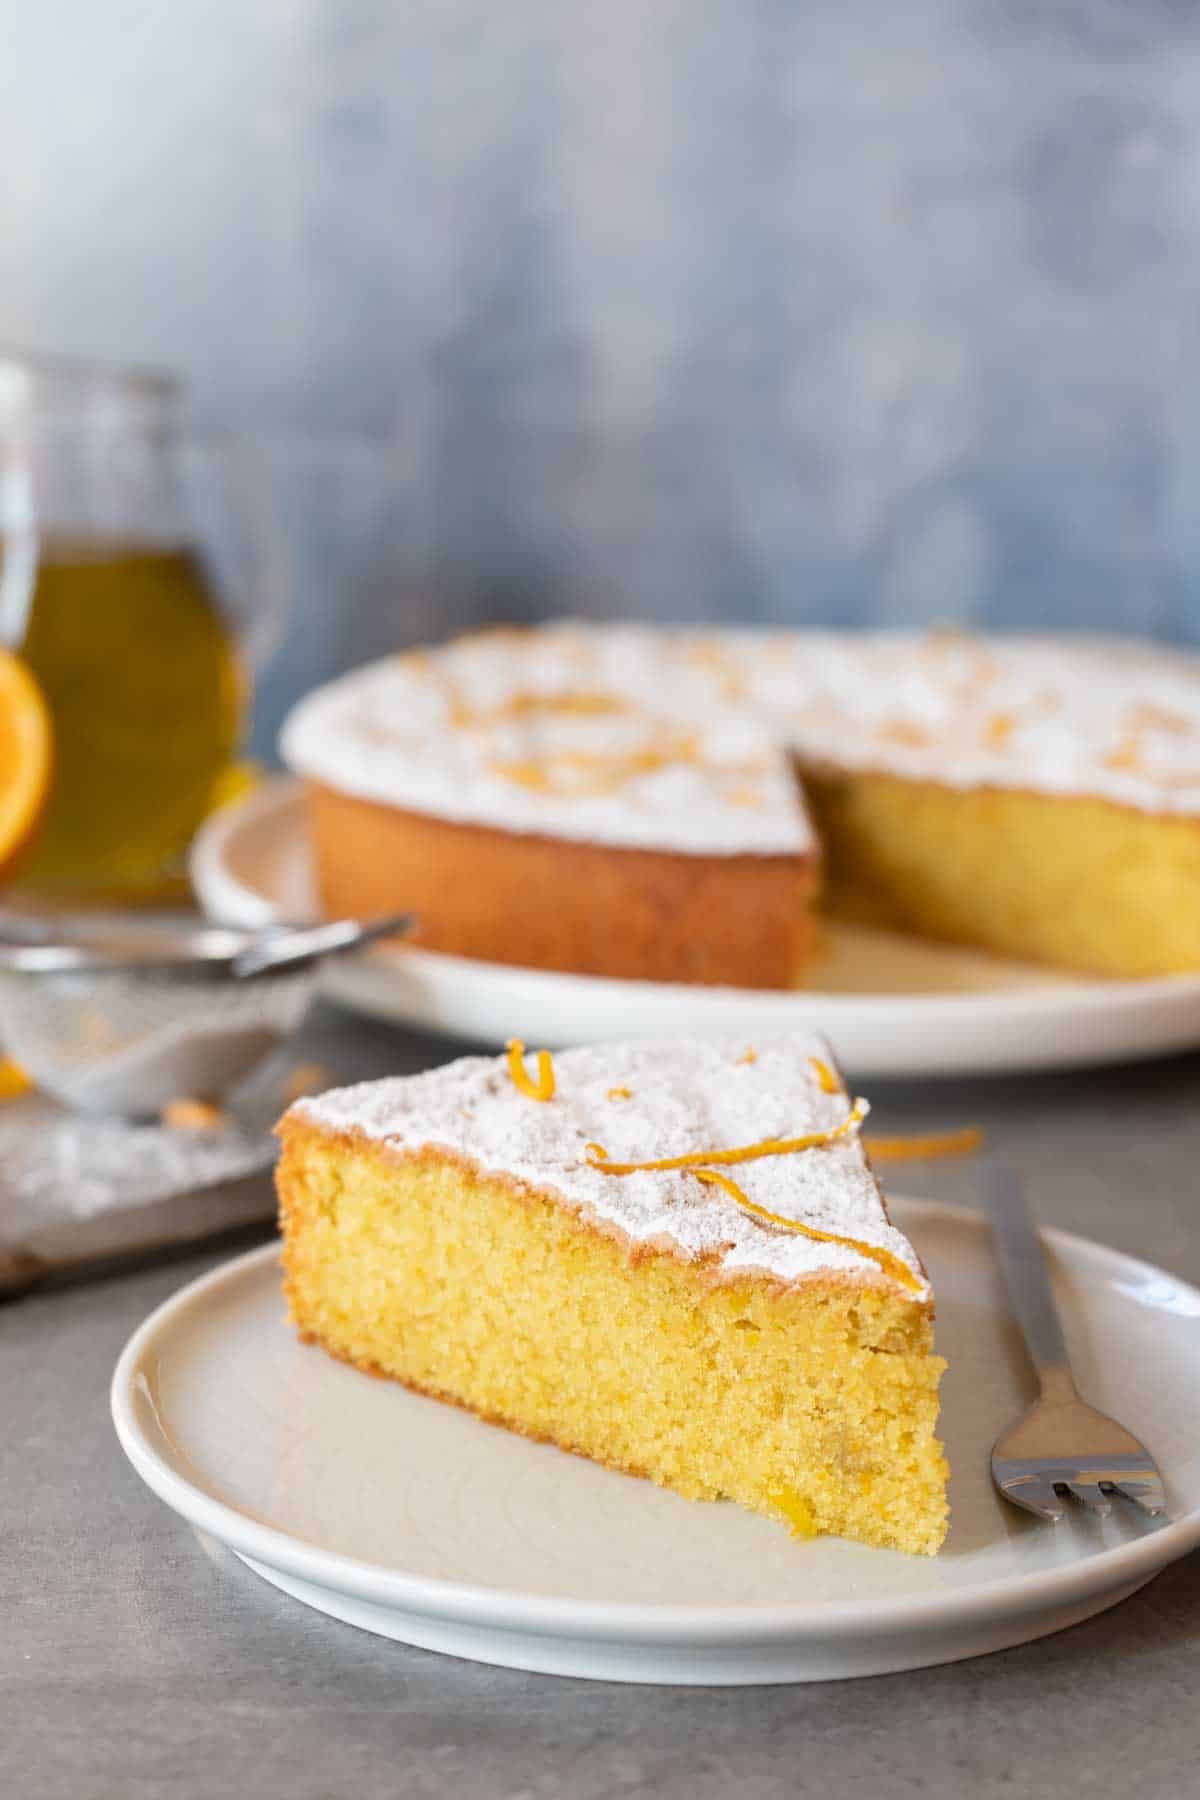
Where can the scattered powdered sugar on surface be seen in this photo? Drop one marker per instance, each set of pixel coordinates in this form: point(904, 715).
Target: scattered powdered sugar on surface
point(57, 1168)
point(679, 740)
point(686, 1095)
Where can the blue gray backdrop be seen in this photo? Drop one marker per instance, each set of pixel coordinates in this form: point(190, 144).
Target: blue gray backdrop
point(857, 309)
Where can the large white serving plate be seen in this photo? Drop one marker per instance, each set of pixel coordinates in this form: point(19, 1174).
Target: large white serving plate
point(892, 1006)
point(419, 1522)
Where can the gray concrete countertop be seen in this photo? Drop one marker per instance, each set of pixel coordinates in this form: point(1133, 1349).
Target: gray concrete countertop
point(137, 1661)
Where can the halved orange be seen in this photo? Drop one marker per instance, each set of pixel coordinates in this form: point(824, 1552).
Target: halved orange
point(26, 754)
point(13, 1079)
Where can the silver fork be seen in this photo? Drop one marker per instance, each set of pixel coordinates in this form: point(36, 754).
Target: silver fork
point(1062, 1446)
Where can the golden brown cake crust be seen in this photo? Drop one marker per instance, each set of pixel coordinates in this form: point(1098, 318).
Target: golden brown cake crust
point(545, 903)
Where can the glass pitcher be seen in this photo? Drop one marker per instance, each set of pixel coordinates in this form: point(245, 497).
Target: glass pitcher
point(141, 579)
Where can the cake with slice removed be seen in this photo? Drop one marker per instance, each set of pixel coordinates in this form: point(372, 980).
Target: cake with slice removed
point(684, 806)
point(671, 1257)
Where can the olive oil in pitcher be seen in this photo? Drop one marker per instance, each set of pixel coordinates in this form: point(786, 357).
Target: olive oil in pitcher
point(105, 502)
point(146, 695)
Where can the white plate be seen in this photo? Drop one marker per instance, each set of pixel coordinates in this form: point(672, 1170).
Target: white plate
point(892, 1006)
point(417, 1521)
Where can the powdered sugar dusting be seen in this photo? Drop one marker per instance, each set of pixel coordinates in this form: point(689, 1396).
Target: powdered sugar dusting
point(686, 1095)
point(1108, 719)
point(622, 735)
point(680, 740)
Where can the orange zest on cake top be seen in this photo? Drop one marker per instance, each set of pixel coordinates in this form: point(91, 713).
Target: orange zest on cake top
point(566, 732)
point(891, 1265)
point(692, 1159)
point(824, 1075)
point(432, 729)
point(1036, 797)
point(543, 1087)
point(686, 1095)
point(999, 729)
point(584, 773)
point(571, 703)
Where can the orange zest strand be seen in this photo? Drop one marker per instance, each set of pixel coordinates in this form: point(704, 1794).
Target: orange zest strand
point(617, 1093)
point(583, 774)
point(826, 1079)
point(543, 1087)
point(1150, 717)
point(904, 731)
point(748, 1056)
point(891, 1265)
point(816, 1140)
point(1126, 755)
point(528, 774)
point(575, 703)
point(911, 1149)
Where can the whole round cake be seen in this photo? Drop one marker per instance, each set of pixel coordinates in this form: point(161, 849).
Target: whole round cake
point(681, 805)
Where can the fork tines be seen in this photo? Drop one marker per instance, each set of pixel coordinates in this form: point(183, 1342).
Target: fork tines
point(1042, 1483)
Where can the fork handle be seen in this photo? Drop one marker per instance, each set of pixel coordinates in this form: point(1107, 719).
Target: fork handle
point(1024, 1264)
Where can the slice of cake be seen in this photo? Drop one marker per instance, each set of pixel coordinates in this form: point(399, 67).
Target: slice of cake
point(672, 1257)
